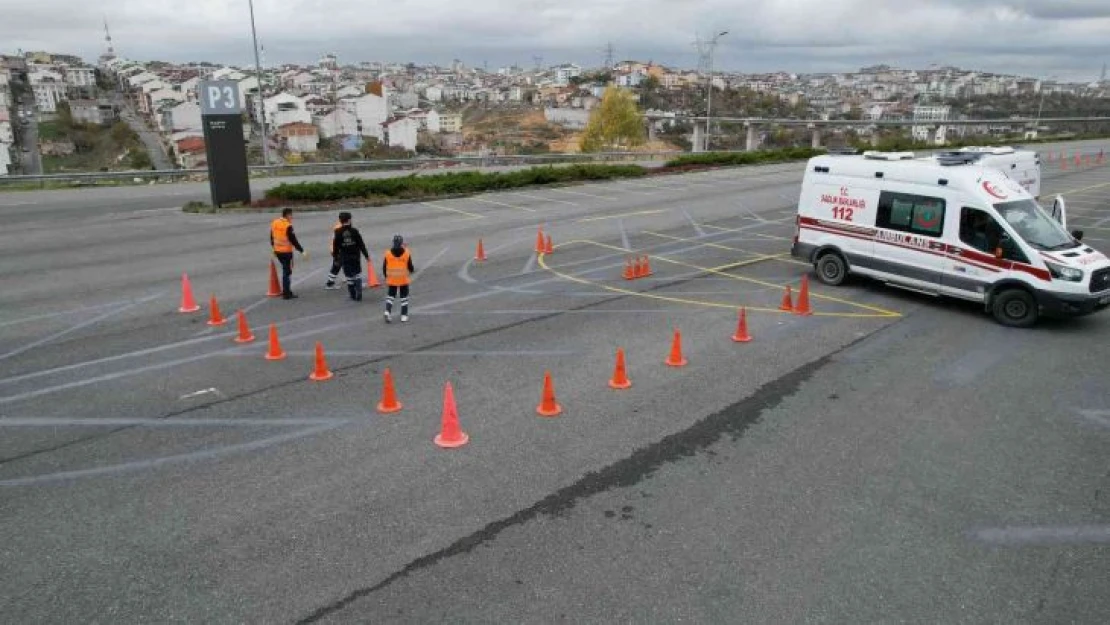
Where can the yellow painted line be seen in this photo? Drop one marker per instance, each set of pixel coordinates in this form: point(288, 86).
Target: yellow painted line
point(519, 208)
point(654, 212)
point(879, 312)
point(780, 257)
point(453, 210)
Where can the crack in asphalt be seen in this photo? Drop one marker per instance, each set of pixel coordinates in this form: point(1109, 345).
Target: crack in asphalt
point(641, 464)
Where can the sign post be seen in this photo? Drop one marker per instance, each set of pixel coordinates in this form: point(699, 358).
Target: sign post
point(225, 147)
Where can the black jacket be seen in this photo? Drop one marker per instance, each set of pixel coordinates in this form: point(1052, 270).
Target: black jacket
point(348, 243)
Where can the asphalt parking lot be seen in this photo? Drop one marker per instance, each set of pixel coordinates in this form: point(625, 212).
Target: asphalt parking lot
point(890, 457)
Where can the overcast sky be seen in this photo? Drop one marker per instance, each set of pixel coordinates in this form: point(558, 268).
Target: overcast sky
point(1066, 38)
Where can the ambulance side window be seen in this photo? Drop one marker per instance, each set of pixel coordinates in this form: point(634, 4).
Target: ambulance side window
point(916, 214)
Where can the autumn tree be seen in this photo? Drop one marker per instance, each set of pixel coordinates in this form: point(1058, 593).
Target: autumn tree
point(615, 123)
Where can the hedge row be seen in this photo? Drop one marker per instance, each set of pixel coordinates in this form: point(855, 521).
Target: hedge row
point(745, 158)
point(414, 186)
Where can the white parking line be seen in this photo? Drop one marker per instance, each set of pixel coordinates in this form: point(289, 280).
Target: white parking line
point(596, 197)
point(495, 203)
point(544, 199)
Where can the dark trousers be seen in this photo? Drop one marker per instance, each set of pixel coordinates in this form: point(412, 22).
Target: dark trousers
point(286, 260)
point(352, 269)
point(333, 273)
point(394, 292)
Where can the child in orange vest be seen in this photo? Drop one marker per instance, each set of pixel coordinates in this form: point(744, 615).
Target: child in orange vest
point(398, 270)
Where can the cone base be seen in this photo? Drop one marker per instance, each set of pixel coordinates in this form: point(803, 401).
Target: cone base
point(217, 322)
point(451, 443)
point(620, 385)
point(317, 377)
point(742, 339)
point(802, 313)
point(280, 356)
point(188, 309)
point(273, 295)
point(384, 409)
point(679, 363)
point(244, 339)
point(554, 411)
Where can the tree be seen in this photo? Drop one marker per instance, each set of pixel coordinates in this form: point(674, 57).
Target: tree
point(616, 122)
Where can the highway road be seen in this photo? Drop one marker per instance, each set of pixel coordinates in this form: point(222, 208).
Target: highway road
point(890, 458)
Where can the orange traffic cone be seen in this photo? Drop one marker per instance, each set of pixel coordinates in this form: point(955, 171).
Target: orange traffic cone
point(620, 376)
point(647, 266)
point(372, 276)
point(629, 271)
point(548, 248)
point(188, 304)
point(676, 359)
point(1078, 161)
point(548, 406)
point(1063, 162)
point(321, 372)
point(540, 247)
point(786, 305)
point(802, 307)
point(214, 316)
point(275, 286)
point(742, 335)
point(245, 335)
point(389, 401)
point(481, 255)
point(450, 434)
point(275, 352)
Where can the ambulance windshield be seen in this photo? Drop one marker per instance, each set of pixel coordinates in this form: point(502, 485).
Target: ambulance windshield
point(1035, 226)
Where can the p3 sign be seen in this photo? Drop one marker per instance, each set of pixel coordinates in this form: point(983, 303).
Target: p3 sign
point(219, 97)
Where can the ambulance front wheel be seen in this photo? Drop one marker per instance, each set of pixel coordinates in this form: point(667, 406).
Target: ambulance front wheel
point(831, 269)
point(1016, 308)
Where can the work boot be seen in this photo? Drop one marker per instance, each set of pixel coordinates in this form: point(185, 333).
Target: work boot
point(404, 318)
point(331, 286)
point(289, 295)
point(388, 317)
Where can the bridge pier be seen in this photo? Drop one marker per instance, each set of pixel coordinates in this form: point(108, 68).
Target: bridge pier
point(750, 143)
point(698, 140)
point(815, 139)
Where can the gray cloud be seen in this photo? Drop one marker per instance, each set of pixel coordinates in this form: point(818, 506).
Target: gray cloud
point(1066, 38)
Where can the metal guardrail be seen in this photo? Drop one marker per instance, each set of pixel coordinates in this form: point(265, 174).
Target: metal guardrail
point(336, 167)
point(761, 121)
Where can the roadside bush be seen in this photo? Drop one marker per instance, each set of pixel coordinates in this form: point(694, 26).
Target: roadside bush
point(744, 158)
point(414, 186)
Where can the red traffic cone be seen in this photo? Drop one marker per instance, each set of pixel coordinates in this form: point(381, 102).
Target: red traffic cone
point(742, 335)
point(620, 375)
point(481, 254)
point(548, 406)
point(214, 316)
point(647, 266)
point(389, 401)
point(540, 247)
point(548, 248)
point(371, 275)
point(274, 352)
point(275, 285)
point(450, 434)
point(676, 359)
point(629, 271)
point(786, 305)
point(802, 307)
point(245, 334)
point(188, 304)
point(321, 372)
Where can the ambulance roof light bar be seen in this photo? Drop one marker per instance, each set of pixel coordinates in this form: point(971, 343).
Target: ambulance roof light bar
point(876, 155)
point(958, 158)
point(989, 149)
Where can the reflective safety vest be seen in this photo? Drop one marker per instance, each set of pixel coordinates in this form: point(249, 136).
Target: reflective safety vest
point(279, 230)
point(396, 269)
point(331, 243)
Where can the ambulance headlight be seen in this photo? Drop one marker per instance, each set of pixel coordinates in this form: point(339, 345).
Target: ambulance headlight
point(1063, 272)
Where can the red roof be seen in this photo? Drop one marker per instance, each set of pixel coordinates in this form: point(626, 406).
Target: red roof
point(190, 144)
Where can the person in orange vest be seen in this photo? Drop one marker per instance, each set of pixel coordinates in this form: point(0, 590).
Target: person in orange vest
point(398, 270)
point(336, 265)
point(284, 241)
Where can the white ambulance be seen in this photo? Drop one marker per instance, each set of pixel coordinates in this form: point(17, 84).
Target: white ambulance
point(1024, 166)
point(946, 226)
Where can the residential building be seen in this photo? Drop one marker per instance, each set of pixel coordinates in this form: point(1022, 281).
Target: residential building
point(339, 122)
point(564, 73)
point(81, 78)
point(450, 122)
point(95, 112)
point(933, 132)
point(434, 93)
point(182, 116)
point(5, 76)
point(6, 134)
point(5, 158)
point(371, 111)
point(286, 108)
point(567, 117)
point(299, 137)
point(5, 96)
point(191, 153)
point(48, 95)
point(402, 132)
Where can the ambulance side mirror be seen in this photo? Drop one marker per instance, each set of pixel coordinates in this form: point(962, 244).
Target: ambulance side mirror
point(1078, 234)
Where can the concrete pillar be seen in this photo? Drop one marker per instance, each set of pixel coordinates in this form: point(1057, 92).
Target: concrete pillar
point(875, 138)
point(699, 138)
point(651, 130)
point(750, 144)
point(815, 141)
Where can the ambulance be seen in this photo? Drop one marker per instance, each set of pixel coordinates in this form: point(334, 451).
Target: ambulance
point(946, 226)
point(1024, 166)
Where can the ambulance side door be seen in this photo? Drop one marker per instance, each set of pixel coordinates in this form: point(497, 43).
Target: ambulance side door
point(842, 215)
point(909, 245)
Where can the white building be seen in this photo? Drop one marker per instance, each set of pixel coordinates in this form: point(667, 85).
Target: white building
point(564, 73)
point(48, 95)
point(5, 76)
point(81, 77)
point(434, 93)
point(5, 158)
point(337, 123)
point(926, 113)
point(285, 108)
point(371, 111)
point(184, 116)
point(402, 132)
point(6, 135)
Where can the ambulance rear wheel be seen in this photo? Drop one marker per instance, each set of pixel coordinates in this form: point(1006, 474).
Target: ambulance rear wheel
point(831, 269)
point(1015, 308)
